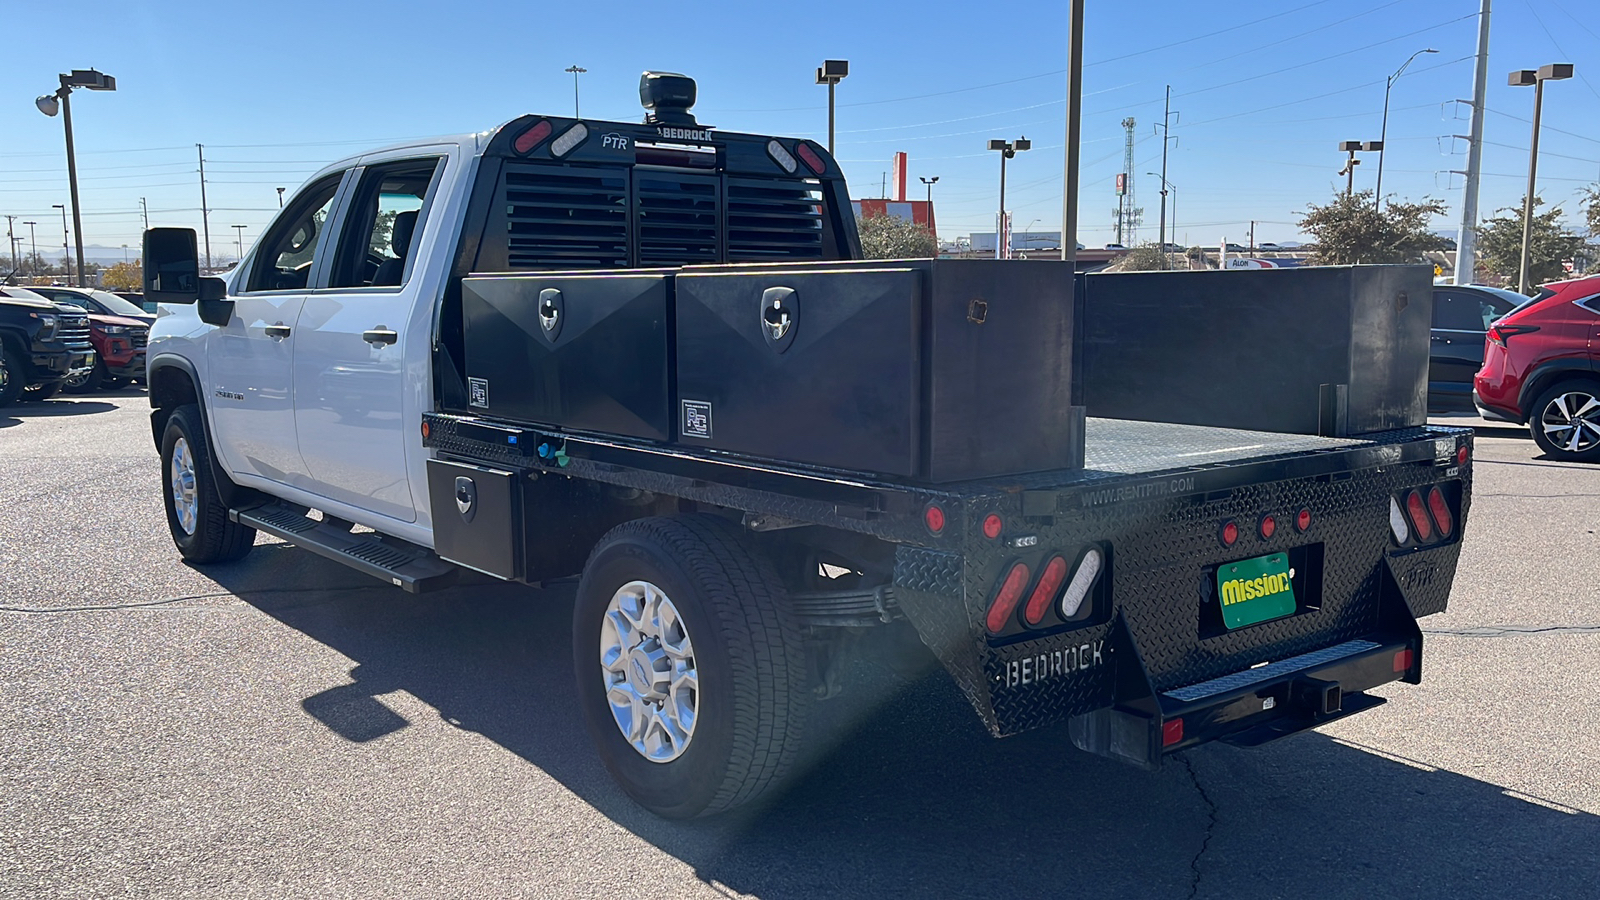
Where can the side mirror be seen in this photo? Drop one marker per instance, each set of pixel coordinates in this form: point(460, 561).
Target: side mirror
point(172, 268)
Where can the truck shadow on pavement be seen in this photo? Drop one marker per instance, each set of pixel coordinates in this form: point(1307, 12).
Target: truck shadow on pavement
point(905, 794)
point(20, 412)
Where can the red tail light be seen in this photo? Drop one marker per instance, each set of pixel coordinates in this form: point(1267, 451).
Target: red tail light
point(933, 517)
point(1417, 512)
point(1441, 512)
point(1005, 602)
point(1171, 732)
point(810, 158)
point(1229, 533)
point(1302, 520)
point(992, 526)
point(1403, 659)
point(1269, 526)
point(533, 137)
point(1044, 593)
point(1499, 333)
point(1463, 455)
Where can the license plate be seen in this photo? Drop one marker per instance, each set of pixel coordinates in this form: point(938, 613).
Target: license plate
point(1255, 590)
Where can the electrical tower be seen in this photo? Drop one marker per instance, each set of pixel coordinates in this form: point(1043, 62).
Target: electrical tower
point(1127, 215)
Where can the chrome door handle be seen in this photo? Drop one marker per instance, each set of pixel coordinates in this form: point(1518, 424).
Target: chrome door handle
point(380, 335)
point(277, 332)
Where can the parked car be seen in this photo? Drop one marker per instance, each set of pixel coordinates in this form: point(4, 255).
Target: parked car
point(119, 330)
point(1462, 315)
point(45, 344)
point(137, 299)
point(1115, 247)
point(1268, 247)
point(1541, 367)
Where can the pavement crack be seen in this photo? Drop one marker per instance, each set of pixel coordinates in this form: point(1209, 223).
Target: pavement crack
point(1211, 825)
point(1513, 630)
point(146, 604)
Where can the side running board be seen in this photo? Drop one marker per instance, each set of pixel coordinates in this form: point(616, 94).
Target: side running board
point(402, 564)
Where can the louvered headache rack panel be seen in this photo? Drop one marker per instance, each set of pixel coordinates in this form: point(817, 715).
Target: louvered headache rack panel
point(580, 217)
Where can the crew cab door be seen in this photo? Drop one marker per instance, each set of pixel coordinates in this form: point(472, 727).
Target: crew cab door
point(249, 360)
point(357, 398)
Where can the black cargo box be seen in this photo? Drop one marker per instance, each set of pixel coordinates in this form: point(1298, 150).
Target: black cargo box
point(933, 370)
point(588, 352)
point(1319, 350)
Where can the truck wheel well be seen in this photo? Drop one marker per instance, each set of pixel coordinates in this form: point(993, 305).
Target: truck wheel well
point(170, 387)
point(1542, 380)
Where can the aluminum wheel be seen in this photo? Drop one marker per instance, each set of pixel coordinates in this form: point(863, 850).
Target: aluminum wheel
point(185, 501)
point(1571, 421)
point(648, 665)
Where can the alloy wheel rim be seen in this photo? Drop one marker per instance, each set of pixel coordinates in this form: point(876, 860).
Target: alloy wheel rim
point(185, 503)
point(648, 665)
point(1571, 421)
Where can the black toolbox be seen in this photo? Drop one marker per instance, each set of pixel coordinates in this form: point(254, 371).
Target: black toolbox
point(1335, 350)
point(930, 370)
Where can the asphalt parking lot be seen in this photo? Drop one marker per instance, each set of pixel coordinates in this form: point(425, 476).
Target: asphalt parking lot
point(283, 727)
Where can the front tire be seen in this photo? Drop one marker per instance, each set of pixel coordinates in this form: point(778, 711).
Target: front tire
point(691, 670)
point(1565, 421)
point(13, 374)
point(90, 381)
point(196, 515)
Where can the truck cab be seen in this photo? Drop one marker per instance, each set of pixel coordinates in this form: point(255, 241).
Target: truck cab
point(44, 344)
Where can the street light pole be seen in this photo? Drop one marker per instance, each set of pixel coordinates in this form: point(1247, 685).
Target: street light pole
point(66, 251)
point(576, 70)
point(1070, 160)
point(1383, 132)
point(1537, 78)
point(1007, 150)
point(830, 73)
point(280, 198)
point(61, 100)
point(33, 252)
point(145, 209)
point(238, 231)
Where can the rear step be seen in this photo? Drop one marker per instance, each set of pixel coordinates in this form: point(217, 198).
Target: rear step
point(405, 565)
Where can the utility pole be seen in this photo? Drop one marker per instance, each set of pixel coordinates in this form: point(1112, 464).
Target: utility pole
point(205, 214)
point(33, 249)
point(239, 231)
point(66, 253)
point(1166, 128)
point(12, 237)
point(1467, 238)
point(1069, 198)
point(145, 208)
point(576, 71)
point(1252, 237)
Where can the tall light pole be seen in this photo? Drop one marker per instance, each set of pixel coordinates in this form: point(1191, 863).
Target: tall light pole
point(60, 101)
point(1069, 160)
point(1383, 133)
point(124, 254)
point(1467, 238)
point(1349, 170)
point(238, 231)
point(1537, 78)
point(576, 71)
point(280, 198)
point(66, 252)
point(11, 236)
point(830, 73)
point(1007, 149)
point(33, 252)
point(930, 182)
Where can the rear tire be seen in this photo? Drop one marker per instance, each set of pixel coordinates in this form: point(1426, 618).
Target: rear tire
point(1565, 421)
point(750, 699)
point(196, 515)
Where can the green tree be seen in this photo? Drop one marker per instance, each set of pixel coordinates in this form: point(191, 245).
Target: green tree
point(891, 237)
point(1549, 244)
point(1351, 230)
point(1591, 209)
point(124, 276)
point(1144, 258)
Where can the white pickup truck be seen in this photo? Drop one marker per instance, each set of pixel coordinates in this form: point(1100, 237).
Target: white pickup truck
point(650, 354)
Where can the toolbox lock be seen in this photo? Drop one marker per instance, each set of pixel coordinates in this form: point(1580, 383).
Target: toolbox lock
point(551, 307)
point(780, 313)
point(1322, 698)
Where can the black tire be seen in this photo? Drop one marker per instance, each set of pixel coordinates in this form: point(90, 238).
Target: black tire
point(214, 538)
point(1554, 409)
point(753, 698)
point(93, 381)
point(13, 372)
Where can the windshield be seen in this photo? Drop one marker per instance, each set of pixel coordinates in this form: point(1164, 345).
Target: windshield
point(118, 306)
point(22, 294)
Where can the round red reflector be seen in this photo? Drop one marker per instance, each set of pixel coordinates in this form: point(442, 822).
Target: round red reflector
point(1005, 601)
point(1441, 512)
point(1417, 512)
point(1463, 455)
point(1269, 525)
point(1302, 520)
point(424, 430)
point(934, 517)
point(991, 526)
point(1055, 572)
point(1230, 533)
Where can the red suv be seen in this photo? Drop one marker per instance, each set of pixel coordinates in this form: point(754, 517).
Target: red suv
point(1540, 369)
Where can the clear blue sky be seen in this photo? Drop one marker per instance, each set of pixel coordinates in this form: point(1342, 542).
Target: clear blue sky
point(1263, 91)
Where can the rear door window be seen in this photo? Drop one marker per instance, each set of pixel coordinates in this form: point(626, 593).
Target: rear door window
point(384, 224)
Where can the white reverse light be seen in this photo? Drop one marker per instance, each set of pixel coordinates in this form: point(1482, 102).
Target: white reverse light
point(1082, 580)
point(1397, 522)
point(782, 157)
point(569, 139)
